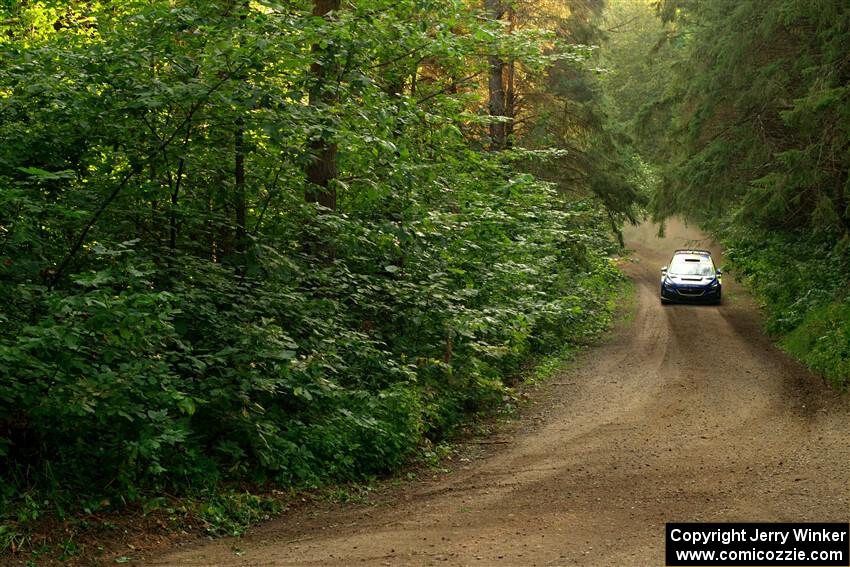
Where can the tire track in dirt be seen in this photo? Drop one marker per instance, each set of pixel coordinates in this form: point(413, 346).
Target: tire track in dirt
point(688, 413)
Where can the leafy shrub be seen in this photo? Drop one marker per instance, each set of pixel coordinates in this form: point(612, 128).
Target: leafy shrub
point(173, 321)
point(801, 280)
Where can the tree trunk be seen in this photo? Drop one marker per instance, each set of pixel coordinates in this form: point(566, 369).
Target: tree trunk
point(240, 202)
point(321, 169)
point(510, 91)
point(510, 105)
point(175, 192)
point(496, 84)
point(240, 199)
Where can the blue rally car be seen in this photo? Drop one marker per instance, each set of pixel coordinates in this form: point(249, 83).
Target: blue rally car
point(691, 277)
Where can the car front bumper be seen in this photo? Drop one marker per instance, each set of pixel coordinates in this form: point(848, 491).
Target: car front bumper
point(690, 294)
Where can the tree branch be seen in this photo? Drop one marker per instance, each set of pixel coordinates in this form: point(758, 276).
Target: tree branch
point(134, 170)
point(448, 87)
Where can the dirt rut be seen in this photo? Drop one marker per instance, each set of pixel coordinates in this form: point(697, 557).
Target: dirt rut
point(688, 413)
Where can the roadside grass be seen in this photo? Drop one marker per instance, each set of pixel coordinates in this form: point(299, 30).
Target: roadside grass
point(822, 342)
point(801, 283)
point(86, 538)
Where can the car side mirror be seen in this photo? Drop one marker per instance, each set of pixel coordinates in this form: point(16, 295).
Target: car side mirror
point(719, 273)
point(664, 270)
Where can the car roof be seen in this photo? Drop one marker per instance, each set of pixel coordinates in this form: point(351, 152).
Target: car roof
point(692, 251)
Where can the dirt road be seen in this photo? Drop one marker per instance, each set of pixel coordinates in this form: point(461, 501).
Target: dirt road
point(687, 414)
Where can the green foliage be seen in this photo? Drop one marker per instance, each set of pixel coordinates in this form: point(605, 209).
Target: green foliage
point(231, 513)
point(152, 339)
point(822, 341)
point(760, 114)
point(802, 283)
point(572, 113)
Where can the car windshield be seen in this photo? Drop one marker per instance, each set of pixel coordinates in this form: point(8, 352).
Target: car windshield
point(688, 265)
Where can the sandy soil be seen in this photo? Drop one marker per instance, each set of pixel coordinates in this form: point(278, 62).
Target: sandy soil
point(688, 413)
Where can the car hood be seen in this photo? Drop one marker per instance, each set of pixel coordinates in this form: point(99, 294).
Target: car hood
point(691, 280)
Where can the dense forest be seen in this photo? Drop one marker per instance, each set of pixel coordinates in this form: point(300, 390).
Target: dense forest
point(742, 110)
point(254, 243)
point(265, 243)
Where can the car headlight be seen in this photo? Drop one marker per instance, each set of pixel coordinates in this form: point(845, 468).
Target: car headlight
point(715, 283)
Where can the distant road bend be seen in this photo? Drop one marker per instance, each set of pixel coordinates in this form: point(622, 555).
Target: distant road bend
point(688, 413)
